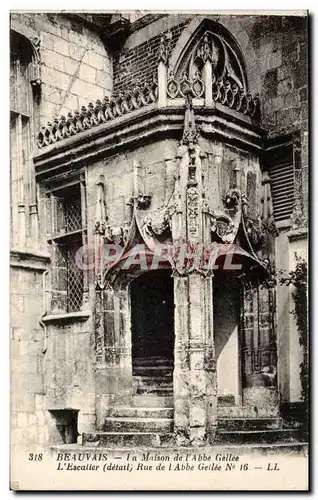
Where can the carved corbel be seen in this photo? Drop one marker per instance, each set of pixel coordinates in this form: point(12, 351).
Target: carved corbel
point(157, 223)
point(223, 226)
point(35, 77)
point(114, 235)
point(232, 200)
point(143, 201)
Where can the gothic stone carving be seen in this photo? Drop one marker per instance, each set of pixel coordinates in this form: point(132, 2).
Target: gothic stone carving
point(158, 222)
point(193, 211)
point(35, 77)
point(143, 201)
point(98, 113)
point(117, 234)
point(225, 221)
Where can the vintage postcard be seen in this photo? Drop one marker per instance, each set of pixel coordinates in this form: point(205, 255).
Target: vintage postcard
point(159, 201)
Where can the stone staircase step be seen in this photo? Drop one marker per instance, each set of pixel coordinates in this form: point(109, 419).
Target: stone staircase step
point(152, 361)
point(128, 439)
point(259, 436)
point(158, 391)
point(240, 424)
point(152, 401)
point(241, 411)
point(137, 424)
point(155, 381)
point(140, 412)
point(149, 371)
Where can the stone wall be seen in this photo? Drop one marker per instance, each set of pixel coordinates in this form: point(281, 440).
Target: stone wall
point(289, 350)
point(156, 160)
point(76, 68)
point(281, 45)
point(27, 348)
point(139, 63)
point(69, 372)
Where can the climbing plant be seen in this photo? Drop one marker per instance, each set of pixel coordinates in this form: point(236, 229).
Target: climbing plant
point(298, 278)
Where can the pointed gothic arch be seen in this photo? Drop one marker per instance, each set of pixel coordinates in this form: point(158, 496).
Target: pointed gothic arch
point(27, 49)
point(25, 97)
point(204, 38)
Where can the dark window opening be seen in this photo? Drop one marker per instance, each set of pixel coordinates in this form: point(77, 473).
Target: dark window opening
point(66, 426)
point(67, 238)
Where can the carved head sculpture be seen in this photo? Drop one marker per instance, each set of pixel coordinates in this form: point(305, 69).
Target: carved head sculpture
point(143, 201)
point(99, 227)
point(232, 199)
point(117, 235)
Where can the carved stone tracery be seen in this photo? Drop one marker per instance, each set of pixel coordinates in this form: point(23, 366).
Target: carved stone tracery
point(188, 219)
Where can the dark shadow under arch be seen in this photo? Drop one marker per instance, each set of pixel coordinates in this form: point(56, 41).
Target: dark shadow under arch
point(152, 317)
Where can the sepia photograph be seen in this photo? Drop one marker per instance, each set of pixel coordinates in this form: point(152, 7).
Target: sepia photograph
point(159, 250)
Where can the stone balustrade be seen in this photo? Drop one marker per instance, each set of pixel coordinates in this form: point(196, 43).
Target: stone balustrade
point(98, 113)
point(224, 92)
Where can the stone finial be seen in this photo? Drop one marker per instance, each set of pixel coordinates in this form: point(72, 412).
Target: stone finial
point(206, 51)
point(190, 134)
point(163, 50)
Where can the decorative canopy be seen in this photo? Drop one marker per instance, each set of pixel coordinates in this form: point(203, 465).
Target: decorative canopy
point(226, 63)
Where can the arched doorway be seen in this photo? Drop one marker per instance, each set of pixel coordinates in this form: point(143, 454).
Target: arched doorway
point(152, 327)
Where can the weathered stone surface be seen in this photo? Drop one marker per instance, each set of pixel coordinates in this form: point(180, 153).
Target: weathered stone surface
point(87, 366)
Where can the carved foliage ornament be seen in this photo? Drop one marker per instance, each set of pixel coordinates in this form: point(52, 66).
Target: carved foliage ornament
point(158, 222)
point(225, 221)
point(193, 210)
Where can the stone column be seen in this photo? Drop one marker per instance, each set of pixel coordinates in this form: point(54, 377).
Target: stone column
point(181, 374)
point(21, 236)
point(195, 384)
point(207, 78)
point(123, 343)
